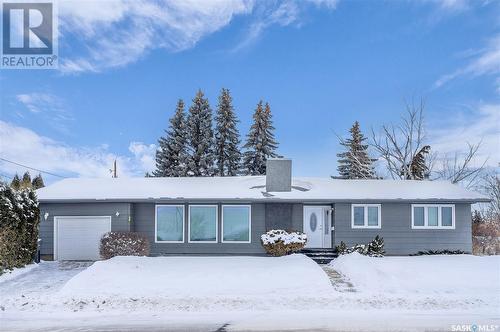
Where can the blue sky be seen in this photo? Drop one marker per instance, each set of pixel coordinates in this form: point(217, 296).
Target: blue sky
point(320, 64)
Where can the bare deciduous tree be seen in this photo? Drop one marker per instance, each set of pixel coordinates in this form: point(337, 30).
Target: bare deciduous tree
point(399, 144)
point(492, 188)
point(460, 168)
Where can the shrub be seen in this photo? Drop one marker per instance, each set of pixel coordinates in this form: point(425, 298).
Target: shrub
point(278, 242)
point(19, 219)
point(374, 249)
point(486, 228)
point(439, 252)
point(123, 244)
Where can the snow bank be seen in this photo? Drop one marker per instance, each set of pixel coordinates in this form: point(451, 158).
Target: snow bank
point(438, 274)
point(289, 276)
point(14, 273)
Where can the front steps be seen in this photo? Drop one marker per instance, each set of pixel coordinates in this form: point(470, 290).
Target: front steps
point(320, 255)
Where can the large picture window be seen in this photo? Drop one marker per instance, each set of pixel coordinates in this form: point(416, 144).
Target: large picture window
point(203, 223)
point(169, 223)
point(433, 216)
point(236, 223)
point(365, 215)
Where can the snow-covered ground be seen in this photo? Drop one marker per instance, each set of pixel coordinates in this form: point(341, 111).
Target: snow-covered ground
point(16, 272)
point(463, 276)
point(211, 277)
point(254, 293)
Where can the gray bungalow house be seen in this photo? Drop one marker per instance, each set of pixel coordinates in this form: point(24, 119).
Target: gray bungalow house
point(227, 215)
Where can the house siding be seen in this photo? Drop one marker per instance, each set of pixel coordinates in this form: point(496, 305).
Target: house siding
point(143, 221)
point(286, 216)
point(118, 223)
point(399, 237)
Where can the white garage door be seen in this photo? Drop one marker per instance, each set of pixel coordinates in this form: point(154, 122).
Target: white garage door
point(78, 238)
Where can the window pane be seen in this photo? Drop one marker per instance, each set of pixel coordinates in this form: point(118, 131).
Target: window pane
point(236, 221)
point(418, 216)
point(169, 223)
point(372, 216)
point(203, 223)
point(446, 217)
point(359, 215)
point(432, 215)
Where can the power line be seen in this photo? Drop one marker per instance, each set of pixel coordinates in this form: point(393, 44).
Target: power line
point(32, 168)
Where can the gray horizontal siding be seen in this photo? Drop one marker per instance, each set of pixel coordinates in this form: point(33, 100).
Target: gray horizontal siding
point(399, 237)
point(284, 216)
point(143, 221)
point(118, 223)
point(396, 230)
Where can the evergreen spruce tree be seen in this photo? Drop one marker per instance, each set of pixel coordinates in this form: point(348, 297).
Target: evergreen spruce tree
point(477, 217)
point(37, 182)
point(355, 163)
point(227, 137)
point(260, 144)
point(171, 156)
point(418, 167)
point(376, 247)
point(26, 181)
point(200, 138)
point(16, 182)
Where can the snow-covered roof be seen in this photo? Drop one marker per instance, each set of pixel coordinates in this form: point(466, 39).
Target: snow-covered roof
point(251, 188)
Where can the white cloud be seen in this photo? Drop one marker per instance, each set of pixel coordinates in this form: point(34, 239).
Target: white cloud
point(48, 108)
point(485, 62)
point(145, 154)
point(451, 135)
point(106, 34)
point(24, 146)
point(115, 33)
point(282, 13)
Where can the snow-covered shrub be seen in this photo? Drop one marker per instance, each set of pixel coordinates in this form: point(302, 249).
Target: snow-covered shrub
point(123, 244)
point(439, 252)
point(278, 242)
point(374, 249)
point(19, 219)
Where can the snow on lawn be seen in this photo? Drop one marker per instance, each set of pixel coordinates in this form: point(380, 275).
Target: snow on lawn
point(462, 275)
point(16, 272)
point(182, 277)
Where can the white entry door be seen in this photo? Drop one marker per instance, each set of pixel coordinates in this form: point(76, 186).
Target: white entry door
point(317, 226)
point(78, 238)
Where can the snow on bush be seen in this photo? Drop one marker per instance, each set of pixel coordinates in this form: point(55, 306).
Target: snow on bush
point(278, 242)
point(123, 244)
point(374, 249)
point(19, 219)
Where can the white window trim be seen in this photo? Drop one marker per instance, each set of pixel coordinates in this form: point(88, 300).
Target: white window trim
point(426, 221)
point(216, 223)
point(365, 206)
point(183, 222)
point(56, 222)
point(249, 224)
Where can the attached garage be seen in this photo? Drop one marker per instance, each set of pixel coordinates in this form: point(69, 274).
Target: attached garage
point(78, 237)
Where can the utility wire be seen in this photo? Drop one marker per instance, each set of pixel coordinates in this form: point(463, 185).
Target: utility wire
point(32, 168)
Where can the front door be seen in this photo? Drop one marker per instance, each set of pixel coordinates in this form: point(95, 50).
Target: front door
point(317, 226)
